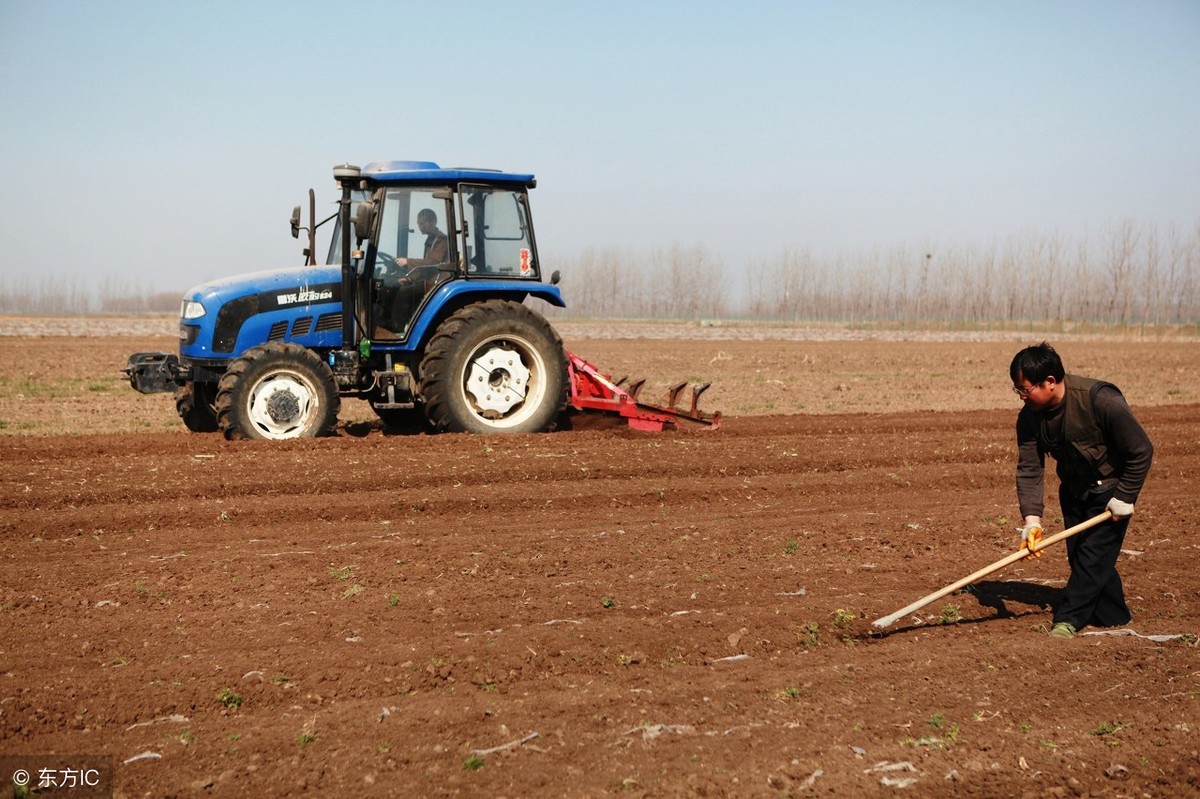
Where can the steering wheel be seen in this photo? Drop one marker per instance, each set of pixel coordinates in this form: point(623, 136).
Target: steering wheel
point(386, 267)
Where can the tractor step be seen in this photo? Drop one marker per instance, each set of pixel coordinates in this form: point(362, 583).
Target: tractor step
point(591, 390)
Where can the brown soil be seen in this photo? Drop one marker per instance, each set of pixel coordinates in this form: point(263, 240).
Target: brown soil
point(591, 612)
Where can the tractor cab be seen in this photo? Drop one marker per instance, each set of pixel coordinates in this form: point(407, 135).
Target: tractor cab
point(417, 227)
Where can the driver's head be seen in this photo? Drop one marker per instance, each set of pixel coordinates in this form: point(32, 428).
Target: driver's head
point(426, 220)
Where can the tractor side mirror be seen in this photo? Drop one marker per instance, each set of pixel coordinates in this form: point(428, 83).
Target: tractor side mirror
point(364, 219)
point(296, 222)
point(555, 276)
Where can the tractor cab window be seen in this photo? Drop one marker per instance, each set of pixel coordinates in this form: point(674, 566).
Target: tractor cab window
point(498, 237)
point(412, 230)
point(335, 242)
point(413, 253)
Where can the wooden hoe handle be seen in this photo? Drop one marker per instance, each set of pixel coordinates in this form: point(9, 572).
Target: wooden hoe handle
point(886, 621)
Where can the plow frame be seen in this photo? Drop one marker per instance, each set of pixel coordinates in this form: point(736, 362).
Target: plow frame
point(592, 390)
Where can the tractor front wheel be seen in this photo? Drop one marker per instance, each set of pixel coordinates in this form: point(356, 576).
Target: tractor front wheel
point(494, 367)
point(194, 402)
point(277, 391)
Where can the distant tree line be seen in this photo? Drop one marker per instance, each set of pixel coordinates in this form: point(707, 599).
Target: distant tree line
point(676, 283)
point(1132, 274)
point(23, 294)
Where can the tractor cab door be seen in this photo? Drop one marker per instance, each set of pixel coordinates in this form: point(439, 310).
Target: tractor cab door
point(497, 233)
point(413, 254)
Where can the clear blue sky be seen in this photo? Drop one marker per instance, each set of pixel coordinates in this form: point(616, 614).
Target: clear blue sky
point(167, 141)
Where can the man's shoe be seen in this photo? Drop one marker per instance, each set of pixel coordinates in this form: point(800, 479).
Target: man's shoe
point(1063, 630)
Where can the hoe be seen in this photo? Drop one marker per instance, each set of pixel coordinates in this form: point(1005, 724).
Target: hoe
point(887, 621)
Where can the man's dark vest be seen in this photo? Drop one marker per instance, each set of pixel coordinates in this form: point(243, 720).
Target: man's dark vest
point(1083, 458)
point(432, 239)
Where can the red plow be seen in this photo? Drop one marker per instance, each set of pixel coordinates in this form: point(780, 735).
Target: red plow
point(591, 390)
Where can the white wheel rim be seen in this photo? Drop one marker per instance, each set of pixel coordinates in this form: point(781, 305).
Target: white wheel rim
point(282, 405)
point(503, 382)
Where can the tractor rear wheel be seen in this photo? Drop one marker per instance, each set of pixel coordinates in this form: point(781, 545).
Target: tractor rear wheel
point(494, 367)
point(194, 402)
point(277, 391)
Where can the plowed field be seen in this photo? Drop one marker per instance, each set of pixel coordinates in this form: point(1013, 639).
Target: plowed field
point(592, 612)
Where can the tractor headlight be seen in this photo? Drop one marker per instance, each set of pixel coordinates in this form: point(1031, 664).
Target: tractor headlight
point(191, 310)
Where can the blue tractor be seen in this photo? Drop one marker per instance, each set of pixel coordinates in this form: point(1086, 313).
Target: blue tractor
point(420, 311)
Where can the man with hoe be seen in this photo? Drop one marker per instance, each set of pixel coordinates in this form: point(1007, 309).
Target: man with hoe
point(1102, 456)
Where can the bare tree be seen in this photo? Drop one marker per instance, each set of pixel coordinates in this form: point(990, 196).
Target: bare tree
point(1128, 274)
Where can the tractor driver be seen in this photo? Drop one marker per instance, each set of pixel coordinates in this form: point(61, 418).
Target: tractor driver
point(437, 246)
point(419, 275)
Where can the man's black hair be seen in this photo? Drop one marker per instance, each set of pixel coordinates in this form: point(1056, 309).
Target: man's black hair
point(1035, 364)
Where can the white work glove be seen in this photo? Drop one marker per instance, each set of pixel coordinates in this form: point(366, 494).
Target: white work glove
point(1031, 536)
point(1120, 510)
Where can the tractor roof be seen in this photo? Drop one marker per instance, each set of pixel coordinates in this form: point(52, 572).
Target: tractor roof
point(429, 172)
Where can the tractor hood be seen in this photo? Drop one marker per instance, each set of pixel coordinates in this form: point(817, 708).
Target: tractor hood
point(299, 280)
point(262, 306)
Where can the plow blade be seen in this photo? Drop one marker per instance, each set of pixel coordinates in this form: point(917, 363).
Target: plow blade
point(591, 390)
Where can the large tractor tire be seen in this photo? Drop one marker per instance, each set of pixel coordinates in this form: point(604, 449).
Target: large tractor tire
point(277, 391)
point(195, 404)
point(494, 367)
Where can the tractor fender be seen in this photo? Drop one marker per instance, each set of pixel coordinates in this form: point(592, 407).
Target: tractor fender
point(457, 294)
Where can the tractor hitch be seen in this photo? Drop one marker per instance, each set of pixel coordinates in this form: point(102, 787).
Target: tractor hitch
point(152, 372)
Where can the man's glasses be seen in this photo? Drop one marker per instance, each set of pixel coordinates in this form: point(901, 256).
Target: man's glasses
point(1023, 393)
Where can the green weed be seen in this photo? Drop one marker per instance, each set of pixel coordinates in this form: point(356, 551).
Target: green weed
point(810, 635)
point(1109, 728)
point(228, 698)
